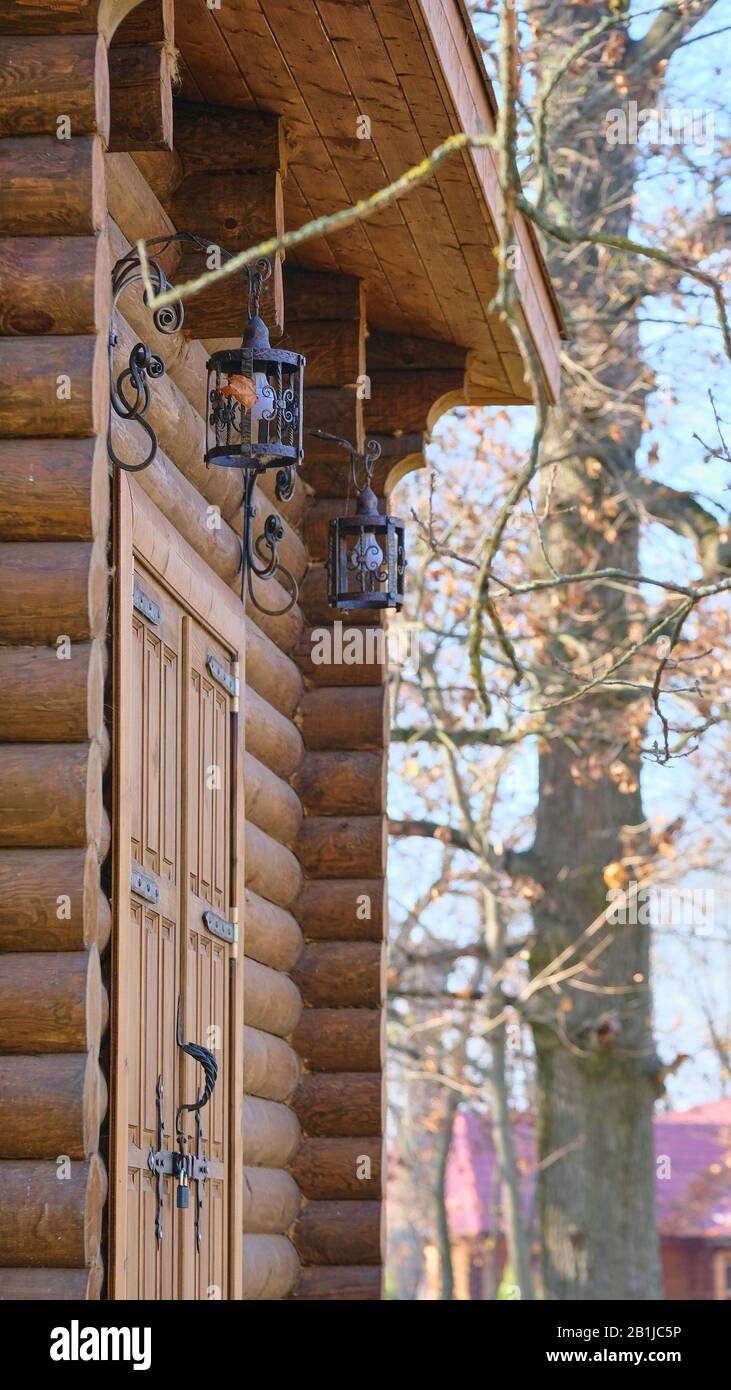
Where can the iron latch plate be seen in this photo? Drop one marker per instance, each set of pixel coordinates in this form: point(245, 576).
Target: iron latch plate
point(218, 926)
point(224, 677)
point(169, 1163)
point(144, 886)
point(146, 606)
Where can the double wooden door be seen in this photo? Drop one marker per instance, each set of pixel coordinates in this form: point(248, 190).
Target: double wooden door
point(175, 980)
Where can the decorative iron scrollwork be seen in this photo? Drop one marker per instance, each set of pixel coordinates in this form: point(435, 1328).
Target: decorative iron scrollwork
point(129, 392)
point(185, 1167)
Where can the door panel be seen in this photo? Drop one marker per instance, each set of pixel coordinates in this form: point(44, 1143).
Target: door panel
point(180, 827)
point(207, 957)
point(154, 937)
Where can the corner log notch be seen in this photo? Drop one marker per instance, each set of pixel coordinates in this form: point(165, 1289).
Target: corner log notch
point(142, 65)
point(224, 181)
point(54, 515)
point(341, 846)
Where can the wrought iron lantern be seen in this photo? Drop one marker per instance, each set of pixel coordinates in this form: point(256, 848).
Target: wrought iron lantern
point(254, 406)
point(254, 422)
point(366, 555)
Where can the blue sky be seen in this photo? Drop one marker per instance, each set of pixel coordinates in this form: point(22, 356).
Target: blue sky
point(687, 359)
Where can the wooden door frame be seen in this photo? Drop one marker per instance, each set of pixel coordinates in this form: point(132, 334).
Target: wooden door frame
point(142, 532)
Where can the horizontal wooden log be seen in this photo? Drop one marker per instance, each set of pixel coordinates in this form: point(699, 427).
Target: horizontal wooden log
point(46, 17)
point(339, 1169)
point(271, 934)
point(271, 1066)
point(50, 590)
point(163, 172)
point(316, 607)
point(51, 187)
point(179, 500)
point(186, 367)
point(56, 701)
point(339, 974)
point(270, 672)
point(321, 1283)
point(272, 871)
point(69, 17)
point(320, 294)
point(53, 386)
point(343, 909)
point(218, 311)
point(233, 211)
point(51, 1002)
point(181, 431)
point(270, 802)
point(42, 79)
point(271, 1133)
point(49, 1222)
point(135, 209)
point(319, 514)
point(185, 362)
point(151, 21)
point(335, 352)
point(338, 410)
point(343, 846)
point(340, 1104)
point(181, 434)
point(294, 509)
point(53, 489)
point(51, 900)
point(403, 401)
point(178, 563)
point(51, 1285)
point(141, 97)
point(332, 1040)
point(224, 138)
point(51, 1105)
point(271, 737)
point(271, 1201)
point(54, 285)
point(399, 352)
point(340, 783)
point(339, 1233)
point(341, 655)
point(50, 795)
point(271, 1001)
point(349, 719)
point(271, 1267)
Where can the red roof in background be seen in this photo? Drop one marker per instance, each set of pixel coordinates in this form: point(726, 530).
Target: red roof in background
point(695, 1200)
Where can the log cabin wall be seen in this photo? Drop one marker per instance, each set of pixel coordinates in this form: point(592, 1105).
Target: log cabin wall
point(342, 844)
point(62, 230)
point(190, 496)
point(54, 516)
point(129, 162)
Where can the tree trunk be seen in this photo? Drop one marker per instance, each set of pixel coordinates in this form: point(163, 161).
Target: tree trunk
point(595, 1053)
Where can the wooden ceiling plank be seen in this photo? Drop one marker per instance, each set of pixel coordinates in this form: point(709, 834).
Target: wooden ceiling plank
point(205, 52)
point(334, 112)
point(360, 47)
point(259, 56)
point(468, 90)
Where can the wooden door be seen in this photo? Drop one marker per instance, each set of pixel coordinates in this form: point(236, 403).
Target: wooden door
point(175, 977)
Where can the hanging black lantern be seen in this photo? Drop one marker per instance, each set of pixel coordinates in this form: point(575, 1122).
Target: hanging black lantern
point(255, 396)
point(254, 405)
point(367, 557)
point(254, 422)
